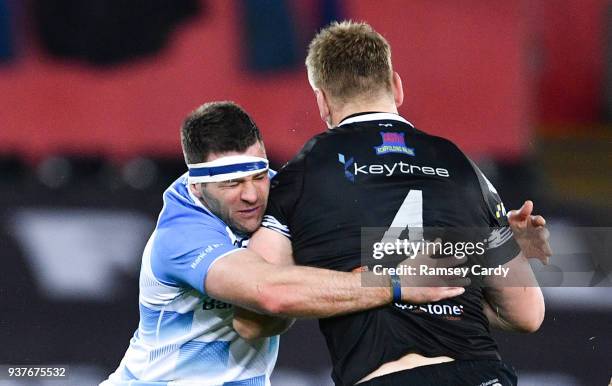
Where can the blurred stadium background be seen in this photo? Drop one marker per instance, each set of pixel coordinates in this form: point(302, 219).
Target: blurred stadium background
point(92, 94)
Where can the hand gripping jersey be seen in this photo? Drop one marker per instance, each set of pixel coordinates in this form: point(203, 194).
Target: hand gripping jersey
point(184, 337)
point(367, 172)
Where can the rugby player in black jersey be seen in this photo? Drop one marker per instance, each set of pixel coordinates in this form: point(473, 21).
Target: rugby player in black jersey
point(375, 169)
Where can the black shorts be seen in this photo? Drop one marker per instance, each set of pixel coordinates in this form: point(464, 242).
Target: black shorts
point(456, 373)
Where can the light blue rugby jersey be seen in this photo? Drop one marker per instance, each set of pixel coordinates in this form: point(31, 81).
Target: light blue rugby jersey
point(184, 337)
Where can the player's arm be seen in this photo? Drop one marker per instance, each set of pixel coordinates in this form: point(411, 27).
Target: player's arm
point(276, 248)
point(500, 305)
point(251, 324)
point(514, 303)
point(246, 279)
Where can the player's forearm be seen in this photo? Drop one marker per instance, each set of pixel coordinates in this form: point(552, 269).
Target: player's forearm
point(243, 278)
point(252, 325)
point(310, 292)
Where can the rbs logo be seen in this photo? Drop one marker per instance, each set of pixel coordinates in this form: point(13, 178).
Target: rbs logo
point(213, 304)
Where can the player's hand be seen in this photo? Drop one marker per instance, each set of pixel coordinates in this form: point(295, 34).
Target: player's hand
point(419, 295)
point(424, 288)
point(530, 233)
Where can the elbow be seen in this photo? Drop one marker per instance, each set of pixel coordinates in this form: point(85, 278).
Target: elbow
point(530, 326)
point(533, 320)
point(272, 300)
point(537, 321)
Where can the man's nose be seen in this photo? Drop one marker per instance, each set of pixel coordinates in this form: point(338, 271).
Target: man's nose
point(249, 192)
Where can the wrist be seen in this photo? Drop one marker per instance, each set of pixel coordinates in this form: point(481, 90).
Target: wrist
point(396, 288)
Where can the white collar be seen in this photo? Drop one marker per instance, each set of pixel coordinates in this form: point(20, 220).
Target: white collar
point(374, 117)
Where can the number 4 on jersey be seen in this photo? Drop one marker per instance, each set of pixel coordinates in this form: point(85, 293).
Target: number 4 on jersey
point(409, 215)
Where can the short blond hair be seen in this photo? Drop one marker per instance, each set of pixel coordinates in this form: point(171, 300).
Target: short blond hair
point(349, 60)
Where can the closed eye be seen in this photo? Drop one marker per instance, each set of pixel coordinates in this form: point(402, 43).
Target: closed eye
point(260, 176)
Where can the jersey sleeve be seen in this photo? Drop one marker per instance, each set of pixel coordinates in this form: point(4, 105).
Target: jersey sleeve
point(183, 256)
point(285, 190)
point(501, 247)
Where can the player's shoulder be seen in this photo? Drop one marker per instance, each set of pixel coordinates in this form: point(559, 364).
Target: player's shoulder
point(443, 149)
point(439, 141)
point(184, 223)
point(446, 147)
point(322, 142)
point(314, 143)
point(298, 161)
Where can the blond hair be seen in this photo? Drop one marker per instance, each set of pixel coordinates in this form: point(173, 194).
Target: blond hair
point(349, 60)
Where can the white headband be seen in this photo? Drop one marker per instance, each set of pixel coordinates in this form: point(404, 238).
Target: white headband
point(226, 168)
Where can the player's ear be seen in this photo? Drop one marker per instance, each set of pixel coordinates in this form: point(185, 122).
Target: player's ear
point(398, 89)
point(194, 189)
point(322, 104)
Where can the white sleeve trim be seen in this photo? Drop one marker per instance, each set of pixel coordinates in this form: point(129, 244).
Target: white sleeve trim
point(272, 223)
point(219, 258)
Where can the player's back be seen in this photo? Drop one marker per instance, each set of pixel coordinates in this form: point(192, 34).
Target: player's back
point(369, 172)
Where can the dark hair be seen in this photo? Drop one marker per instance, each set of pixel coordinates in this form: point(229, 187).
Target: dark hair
point(217, 127)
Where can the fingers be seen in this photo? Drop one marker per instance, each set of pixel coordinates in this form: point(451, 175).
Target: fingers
point(538, 221)
point(522, 214)
point(527, 208)
point(542, 237)
point(543, 245)
point(441, 293)
point(451, 292)
point(547, 253)
point(417, 295)
point(545, 235)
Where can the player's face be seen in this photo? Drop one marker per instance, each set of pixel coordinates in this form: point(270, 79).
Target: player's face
point(240, 203)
